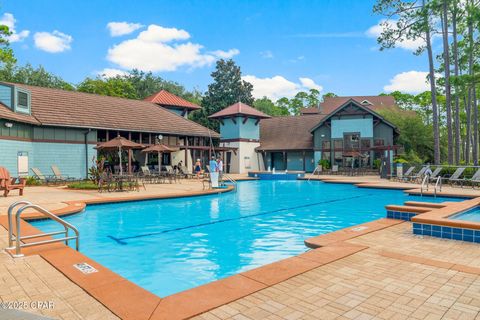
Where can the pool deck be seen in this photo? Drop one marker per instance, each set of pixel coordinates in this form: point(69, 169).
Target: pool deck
point(378, 271)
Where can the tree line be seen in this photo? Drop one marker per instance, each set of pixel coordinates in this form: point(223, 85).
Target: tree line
point(453, 73)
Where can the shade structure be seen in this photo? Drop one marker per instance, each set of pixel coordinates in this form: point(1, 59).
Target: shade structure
point(121, 143)
point(159, 148)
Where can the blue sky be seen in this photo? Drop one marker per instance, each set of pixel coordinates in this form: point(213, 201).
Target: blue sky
point(281, 46)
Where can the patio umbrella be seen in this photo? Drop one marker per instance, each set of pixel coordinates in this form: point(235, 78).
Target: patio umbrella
point(121, 143)
point(159, 148)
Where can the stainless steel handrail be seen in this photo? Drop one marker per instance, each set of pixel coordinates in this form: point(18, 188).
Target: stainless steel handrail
point(313, 173)
point(437, 185)
point(231, 180)
point(48, 214)
point(11, 237)
point(425, 180)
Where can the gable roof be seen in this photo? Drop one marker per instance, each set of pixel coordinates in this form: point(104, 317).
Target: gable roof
point(288, 132)
point(241, 109)
point(364, 107)
point(374, 103)
point(165, 98)
point(55, 107)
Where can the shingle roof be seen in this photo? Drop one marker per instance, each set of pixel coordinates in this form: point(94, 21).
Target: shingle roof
point(6, 113)
point(288, 133)
point(57, 107)
point(165, 98)
point(309, 110)
point(241, 109)
point(377, 102)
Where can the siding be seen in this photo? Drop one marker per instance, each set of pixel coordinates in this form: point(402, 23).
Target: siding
point(247, 130)
point(364, 126)
point(70, 158)
point(6, 96)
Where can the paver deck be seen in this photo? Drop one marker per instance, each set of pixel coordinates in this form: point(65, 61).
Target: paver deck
point(373, 284)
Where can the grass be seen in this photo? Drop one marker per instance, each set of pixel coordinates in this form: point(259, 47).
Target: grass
point(84, 185)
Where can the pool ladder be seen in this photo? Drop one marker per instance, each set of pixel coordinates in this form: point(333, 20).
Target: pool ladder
point(230, 179)
point(425, 184)
point(18, 237)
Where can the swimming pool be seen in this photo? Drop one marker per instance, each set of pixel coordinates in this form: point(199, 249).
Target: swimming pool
point(170, 245)
point(469, 215)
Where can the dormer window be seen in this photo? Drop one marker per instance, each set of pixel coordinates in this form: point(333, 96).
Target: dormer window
point(366, 103)
point(22, 101)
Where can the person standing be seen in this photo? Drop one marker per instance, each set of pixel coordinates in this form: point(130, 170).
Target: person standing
point(198, 168)
point(220, 168)
point(213, 168)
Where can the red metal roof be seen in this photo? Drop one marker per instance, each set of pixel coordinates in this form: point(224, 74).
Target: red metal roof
point(165, 98)
point(239, 109)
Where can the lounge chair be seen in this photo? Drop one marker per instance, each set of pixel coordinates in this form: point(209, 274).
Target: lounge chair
point(7, 183)
point(474, 179)
point(43, 178)
point(435, 174)
point(418, 176)
point(59, 176)
point(454, 179)
point(405, 176)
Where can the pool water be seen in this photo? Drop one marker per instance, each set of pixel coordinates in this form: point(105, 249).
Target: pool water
point(171, 245)
point(469, 215)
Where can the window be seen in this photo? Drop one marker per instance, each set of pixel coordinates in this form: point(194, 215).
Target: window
point(365, 143)
point(326, 144)
point(379, 142)
point(22, 99)
point(22, 102)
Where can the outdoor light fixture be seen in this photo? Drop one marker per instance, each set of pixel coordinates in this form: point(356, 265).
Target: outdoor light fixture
point(8, 124)
point(323, 136)
point(160, 137)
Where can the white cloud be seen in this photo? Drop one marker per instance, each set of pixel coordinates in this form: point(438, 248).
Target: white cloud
point(226, 54)
point(111, 73)
point(52, 42)
point(122, 28)
point(154, 51)
point(310, 84)
point(407, 44)
point(9, 20)
point(277, 87)
point(156, 33)
point(266, 54)
point(409, 82)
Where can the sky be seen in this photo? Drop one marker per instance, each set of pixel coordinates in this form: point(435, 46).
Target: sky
point(282, 47)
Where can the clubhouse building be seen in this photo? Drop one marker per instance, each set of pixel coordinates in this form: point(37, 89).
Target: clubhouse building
point(41, 127)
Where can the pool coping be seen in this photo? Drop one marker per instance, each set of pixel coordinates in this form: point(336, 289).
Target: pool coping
point(130, 301)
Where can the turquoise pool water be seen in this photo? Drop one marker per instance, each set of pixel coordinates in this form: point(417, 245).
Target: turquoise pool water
point(470, 215)
point(167, 246)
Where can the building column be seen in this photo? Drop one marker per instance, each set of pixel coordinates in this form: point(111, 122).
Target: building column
point(285, 160)
point(303, 160)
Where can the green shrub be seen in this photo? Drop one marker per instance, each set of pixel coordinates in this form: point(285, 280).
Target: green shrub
point(377, 163)
point(84, 185)
point(31, 181)
point(324, 163)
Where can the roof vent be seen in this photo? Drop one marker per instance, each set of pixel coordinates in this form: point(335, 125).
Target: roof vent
point(366, 102)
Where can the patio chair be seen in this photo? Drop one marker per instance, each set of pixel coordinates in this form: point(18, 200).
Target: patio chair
point(435, 174)
point(7, 183)
point(184, 171)
point(59, 176)
point(454, 179)
point(473, 180)
point(39, 176)
point(418, 176)
point(404, 176)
